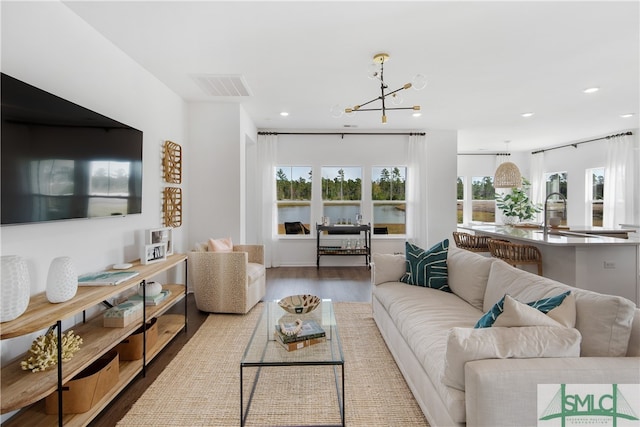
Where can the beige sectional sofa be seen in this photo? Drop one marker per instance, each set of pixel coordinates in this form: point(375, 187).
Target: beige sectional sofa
point(428, 332)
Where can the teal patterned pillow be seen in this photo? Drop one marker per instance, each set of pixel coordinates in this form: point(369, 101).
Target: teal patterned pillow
point(427, 268)
point(544, 305)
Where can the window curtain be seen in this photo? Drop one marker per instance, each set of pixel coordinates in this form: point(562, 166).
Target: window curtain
point(538, 187)
point(417, 190)
point(267, 157)
point(620, 182)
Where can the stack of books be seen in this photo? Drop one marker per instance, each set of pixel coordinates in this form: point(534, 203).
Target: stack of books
point(154, 300)
point(310, 334)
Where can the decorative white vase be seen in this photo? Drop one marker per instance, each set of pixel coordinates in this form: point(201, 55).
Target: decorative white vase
point(62, 280)
point(14, 287)
point(152, 289)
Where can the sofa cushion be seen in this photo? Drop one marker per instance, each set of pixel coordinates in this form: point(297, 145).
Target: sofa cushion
point(468, 273)
point(220, 245)
point(387, 268)
point(564, 316)
point(427, 268)
point(604, 321)
point(467, 344)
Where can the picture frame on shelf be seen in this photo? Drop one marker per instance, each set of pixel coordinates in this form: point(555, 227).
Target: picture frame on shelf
point(154, 252)
point(160, 235)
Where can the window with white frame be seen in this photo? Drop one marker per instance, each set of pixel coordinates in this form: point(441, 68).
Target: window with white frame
point(341, 193)
point(388, 184)
point(556, 182)
point(460, 200)
point(595, 195)
point(483, 203)
point(293, 189)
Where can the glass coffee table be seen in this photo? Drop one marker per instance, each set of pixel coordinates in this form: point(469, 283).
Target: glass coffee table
point(316, 369)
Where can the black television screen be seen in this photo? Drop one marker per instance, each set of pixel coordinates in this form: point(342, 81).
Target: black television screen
point(63, 161)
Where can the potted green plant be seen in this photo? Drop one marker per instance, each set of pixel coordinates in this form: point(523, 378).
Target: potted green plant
point(516, 205)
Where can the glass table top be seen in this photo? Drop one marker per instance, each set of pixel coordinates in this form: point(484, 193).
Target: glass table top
point(264, 350)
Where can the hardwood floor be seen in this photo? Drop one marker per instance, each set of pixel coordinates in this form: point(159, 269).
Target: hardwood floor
point(351, 284)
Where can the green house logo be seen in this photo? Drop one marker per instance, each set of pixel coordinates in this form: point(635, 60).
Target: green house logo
point(588, 405)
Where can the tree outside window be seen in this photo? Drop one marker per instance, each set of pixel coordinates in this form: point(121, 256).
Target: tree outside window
point(341, 193)
point(483, 204)
point(293, 189)
point(388, 186)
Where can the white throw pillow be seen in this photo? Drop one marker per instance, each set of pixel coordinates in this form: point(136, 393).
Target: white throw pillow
point(468, 344)
point(565, 313)
point(388, 268)
point(515, 314)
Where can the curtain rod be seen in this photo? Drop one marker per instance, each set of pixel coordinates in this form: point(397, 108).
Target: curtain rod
point(484, 154)
point(342, 133)
point(575, 144)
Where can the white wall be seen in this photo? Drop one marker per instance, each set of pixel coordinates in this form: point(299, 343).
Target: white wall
point(48, 46)
point(225, 138)
point(369, 151)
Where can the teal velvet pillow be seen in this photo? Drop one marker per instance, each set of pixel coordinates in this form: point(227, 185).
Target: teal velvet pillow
point(544, 305)
point(427, 268)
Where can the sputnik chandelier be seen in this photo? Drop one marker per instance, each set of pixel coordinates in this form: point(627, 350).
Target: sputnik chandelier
point(376, 71)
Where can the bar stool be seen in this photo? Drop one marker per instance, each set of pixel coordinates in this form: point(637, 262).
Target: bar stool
point(515, 254)
point(471, 242)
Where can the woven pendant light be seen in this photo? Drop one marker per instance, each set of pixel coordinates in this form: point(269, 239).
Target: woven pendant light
point(507, 176)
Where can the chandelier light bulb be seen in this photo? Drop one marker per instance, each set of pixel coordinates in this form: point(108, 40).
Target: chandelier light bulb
point(419, 82)
point(373, 71)
point(336, 111)
point(396, 99)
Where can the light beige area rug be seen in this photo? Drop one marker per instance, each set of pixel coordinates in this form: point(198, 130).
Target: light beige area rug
point(201, 385)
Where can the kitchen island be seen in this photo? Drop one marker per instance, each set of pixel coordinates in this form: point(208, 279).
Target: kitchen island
point(584, 257)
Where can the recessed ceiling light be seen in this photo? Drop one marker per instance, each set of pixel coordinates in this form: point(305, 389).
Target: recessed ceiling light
point(591, 89)
point(284, 114)
point(626, 116)
point(416, 114)
point(529, 114)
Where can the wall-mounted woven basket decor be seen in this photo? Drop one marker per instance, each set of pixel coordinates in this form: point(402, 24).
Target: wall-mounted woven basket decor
point(172, 207)
point(172, 162)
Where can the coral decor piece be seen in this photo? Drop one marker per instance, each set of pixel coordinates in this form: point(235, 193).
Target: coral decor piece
point(62, 280)
point(15, 284)
point(44, 350)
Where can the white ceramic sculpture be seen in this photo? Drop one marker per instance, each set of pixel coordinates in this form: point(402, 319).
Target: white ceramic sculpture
point(152, 289)
point(62, 280)
point(14, 287)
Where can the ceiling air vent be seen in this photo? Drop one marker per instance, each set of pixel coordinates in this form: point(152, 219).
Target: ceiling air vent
point(223, 85)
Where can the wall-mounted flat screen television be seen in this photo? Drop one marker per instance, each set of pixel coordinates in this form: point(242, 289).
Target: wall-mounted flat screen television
point(62, 161)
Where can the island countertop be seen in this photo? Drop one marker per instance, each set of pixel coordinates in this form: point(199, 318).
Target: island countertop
point(575, 236)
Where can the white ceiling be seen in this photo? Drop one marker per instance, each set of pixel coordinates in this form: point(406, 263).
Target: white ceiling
point(486, 62)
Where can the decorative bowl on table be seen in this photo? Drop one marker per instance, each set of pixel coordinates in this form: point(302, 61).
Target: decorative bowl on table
point(299, 304)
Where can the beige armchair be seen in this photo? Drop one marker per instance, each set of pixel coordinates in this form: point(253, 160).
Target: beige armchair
point(228, 282)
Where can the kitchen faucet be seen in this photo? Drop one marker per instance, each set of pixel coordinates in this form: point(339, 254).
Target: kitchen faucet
point(564, 212)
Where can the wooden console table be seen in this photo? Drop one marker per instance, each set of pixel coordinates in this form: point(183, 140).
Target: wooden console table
point(24, 389)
